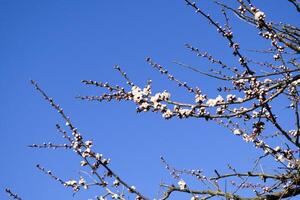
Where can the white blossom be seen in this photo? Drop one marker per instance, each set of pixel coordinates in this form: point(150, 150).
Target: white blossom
point(202, 111)
point(237, 132)
point(98, 156)
point(89, 143)
point(144, 106)
point(248, 138)
point(195, 198)
point(83, 163)
point(211, 102)
point(259, 15)
point(182, 185)
point(156, 98)
point(277, 148)
point(291, 165)
point(259, 144)
point(75, 145)
point(280, 157)
point(241, 9)
point(116, 183)
point(138, 97)
point(70, 183)
point(147, 90)
point(276, 56)
point(81, 181)
point(156, 105)
point(267, 150)
point(86, 153)
point(168, 114)
point(135, 90)
point(266, 189)
point(230, 98)
point(220, 110)
point(199, 98)
point(296, 82)
point(214, 102)
point(185, 112)
point(165, 96)
point(239, 99)
point(132, 188)
point(255, 114)
point(267, 80)
point(219, 99)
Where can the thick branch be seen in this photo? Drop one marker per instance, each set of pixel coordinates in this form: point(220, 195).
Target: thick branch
point(289, 192)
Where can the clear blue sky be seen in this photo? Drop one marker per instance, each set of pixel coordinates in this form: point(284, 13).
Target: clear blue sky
point(59, 43)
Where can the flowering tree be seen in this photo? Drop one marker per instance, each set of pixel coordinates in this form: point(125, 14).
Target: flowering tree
point(245, 105)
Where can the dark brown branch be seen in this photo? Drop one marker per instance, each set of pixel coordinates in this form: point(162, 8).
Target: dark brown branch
point(296, 4)
point(289, 192)
point(228, 37)
point(12, 194)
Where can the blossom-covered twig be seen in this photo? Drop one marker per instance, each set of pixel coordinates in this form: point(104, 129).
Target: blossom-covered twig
point(90, 159)
point(244, 104)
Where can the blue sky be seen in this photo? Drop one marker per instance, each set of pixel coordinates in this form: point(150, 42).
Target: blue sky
point(59, 43)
